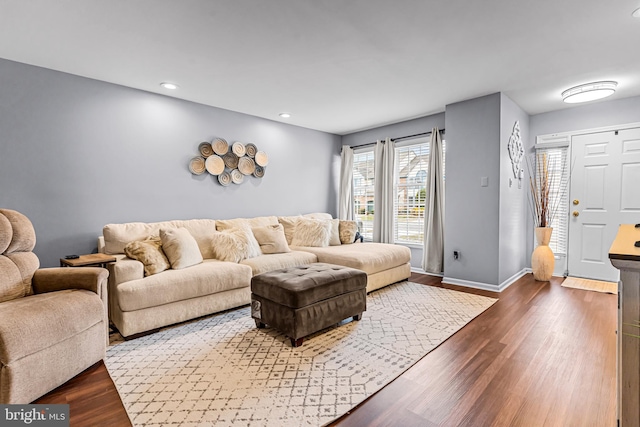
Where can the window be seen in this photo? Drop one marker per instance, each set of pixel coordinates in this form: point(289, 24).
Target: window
point(410, 176)
point(559, 196)
point(363, 191)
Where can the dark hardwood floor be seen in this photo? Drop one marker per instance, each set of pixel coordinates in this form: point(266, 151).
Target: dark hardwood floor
point(543, 355)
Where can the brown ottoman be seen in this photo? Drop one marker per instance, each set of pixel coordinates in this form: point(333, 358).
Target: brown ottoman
point(302, 300)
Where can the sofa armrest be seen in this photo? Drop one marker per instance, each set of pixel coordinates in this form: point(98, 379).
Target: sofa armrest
point(59, 278)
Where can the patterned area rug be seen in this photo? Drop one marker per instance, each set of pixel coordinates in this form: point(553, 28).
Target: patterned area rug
point(223, 371)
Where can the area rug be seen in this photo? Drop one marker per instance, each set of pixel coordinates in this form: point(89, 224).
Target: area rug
point(223, 371)
point(590, 285)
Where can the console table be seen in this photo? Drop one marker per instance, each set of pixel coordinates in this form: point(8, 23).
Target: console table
point(626, 257)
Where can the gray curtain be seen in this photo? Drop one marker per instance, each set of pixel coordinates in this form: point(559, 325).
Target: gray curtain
point(383, 192)
point(433, 254)
point(345, 203)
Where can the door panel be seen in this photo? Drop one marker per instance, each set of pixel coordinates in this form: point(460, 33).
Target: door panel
point(605, 179)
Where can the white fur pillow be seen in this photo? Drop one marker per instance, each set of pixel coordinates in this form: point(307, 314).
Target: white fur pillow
point(271, 239)
point(311, 232)
point(180, 247)
point(235, 244)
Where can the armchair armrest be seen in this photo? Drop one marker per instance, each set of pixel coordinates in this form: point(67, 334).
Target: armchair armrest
point(59, 278)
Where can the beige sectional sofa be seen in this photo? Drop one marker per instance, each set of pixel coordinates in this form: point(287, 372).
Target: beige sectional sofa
point(139, 303)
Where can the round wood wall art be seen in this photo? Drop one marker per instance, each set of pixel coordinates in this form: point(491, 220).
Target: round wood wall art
point(230, 164)
point(197, 165)
point(224, 178)
point(230, 160)
point(236, 176)
point(251, 150)
point(220, 146)
point(246, 165)
point(259, 172)
point(262, 159)
point(238, 149)
point(205, 149)
point(215, 165)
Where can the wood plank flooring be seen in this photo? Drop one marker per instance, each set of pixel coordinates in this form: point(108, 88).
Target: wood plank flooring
point(543, 355)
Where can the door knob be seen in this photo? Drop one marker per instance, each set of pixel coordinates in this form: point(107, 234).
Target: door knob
point(576, 213)
point(576, 201)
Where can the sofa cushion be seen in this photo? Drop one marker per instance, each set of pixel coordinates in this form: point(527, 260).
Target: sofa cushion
point(116, 236)
point(318, 215)
point(207, 278)
point(60, 316)
point(289, 225)
point(311, 232)
point(259, 221)
point(180, 247)
point(149, 252)
point(334, 232)
point(348, 231)
point(369, 257)
point(271, 262)
point(271, 239)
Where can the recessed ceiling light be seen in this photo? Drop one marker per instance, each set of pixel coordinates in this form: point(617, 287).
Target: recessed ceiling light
point(170, 86)
point(589, 92)
point(285, 115)
point(636, 13)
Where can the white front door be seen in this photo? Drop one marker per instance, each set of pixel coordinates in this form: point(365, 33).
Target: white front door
point(605, 192)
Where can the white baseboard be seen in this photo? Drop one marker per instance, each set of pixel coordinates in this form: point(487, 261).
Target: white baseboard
point(486, 286)
point(470, 284)
point(421, 271)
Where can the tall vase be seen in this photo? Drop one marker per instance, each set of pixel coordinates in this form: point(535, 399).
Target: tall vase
point(542, 260)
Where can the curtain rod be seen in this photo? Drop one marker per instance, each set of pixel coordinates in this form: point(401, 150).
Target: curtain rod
point(398, 138)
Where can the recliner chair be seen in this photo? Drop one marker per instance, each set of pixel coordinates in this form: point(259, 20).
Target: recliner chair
point(53, 321)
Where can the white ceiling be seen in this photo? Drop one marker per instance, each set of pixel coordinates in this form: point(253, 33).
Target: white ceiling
point(337, 66)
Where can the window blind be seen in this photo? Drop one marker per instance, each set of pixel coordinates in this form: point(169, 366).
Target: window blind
point(558, 166)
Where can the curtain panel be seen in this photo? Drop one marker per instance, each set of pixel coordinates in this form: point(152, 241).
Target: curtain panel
point(383, 230)
point(345, 202)
point(433, 250)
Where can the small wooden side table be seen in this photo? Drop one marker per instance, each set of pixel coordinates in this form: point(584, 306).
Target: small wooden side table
point(90, 260)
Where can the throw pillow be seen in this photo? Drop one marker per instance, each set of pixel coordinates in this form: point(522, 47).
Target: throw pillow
point(348, 231)
point(149, 252)
point(271, 239)
point(311, 232)
point(230, 245)
point(180, 247)
point(289, 225)
point(334, 234)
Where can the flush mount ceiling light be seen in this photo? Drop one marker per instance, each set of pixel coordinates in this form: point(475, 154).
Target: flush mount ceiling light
point(285, 115)
point(589, 92)
point(170, 86)
point(636, 13)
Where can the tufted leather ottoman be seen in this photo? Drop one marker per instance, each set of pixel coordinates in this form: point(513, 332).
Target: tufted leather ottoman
point(302, 300)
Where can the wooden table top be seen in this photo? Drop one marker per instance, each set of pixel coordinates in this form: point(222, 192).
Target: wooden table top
point(623, 246)
point(88, 259)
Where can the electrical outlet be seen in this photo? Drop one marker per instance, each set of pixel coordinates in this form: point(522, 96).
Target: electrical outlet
point(456, 254)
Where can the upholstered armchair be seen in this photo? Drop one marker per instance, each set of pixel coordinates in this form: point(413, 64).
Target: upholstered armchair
point(53, 321)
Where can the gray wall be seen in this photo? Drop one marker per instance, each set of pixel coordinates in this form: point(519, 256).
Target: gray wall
point(512, 248)
point(406, 128)
point(472, 212)
point(76, 154)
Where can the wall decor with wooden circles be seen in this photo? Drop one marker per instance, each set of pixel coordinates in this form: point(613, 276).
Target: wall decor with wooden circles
point(229, 163)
